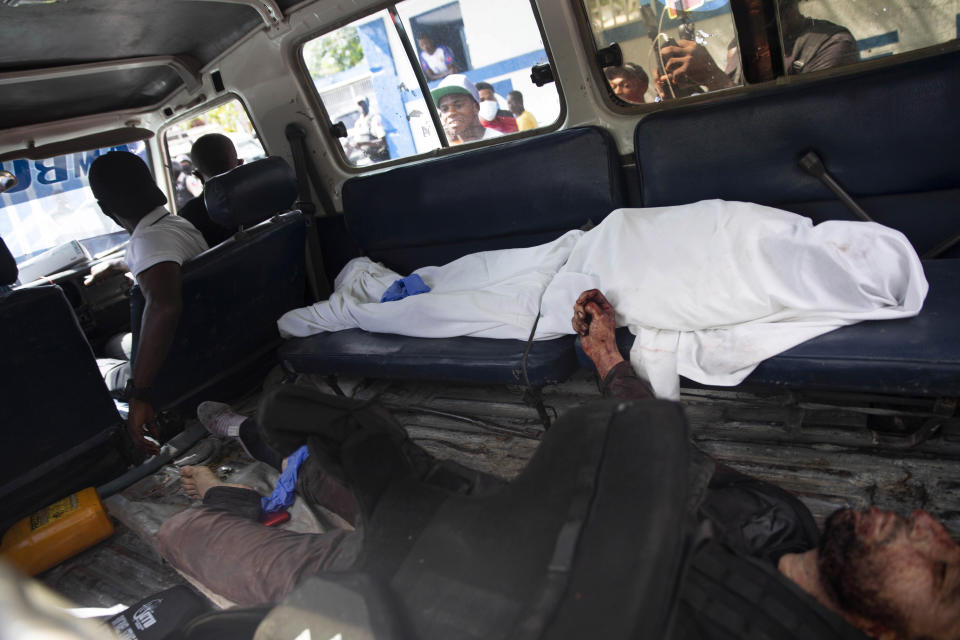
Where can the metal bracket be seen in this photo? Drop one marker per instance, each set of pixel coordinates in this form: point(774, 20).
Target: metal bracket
point(944, 410)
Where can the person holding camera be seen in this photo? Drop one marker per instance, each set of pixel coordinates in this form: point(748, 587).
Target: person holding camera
point(809, 45)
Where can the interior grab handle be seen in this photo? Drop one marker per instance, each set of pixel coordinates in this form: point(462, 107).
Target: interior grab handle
point(812, 164)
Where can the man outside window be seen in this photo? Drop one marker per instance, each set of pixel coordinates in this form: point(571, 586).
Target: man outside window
point(159, 244)
point(491, 115)
point(368, 133)
point(436, 60)
point(628, 82)
point(458, 102)
point(525, 119)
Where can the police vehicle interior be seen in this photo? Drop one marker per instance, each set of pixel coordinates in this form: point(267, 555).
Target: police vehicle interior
point(864, 415)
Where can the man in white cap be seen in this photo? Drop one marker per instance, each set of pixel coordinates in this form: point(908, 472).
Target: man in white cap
point(459, 105)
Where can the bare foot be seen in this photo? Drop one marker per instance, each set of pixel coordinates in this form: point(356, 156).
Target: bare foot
point(196, 481)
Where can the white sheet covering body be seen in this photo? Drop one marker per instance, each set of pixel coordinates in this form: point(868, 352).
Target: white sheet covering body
point(492, 294)
point(710, 289)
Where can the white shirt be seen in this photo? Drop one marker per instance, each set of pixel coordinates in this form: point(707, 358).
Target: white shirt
point(437, 61)
point(161, 237)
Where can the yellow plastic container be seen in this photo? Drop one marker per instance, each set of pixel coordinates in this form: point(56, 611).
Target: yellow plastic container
point(57, 532)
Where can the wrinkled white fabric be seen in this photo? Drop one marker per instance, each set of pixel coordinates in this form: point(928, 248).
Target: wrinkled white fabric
point(709, 289)
point(712, 289)
point(493, 294)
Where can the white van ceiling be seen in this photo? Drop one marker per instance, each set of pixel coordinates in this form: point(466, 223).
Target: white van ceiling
point(133, 53)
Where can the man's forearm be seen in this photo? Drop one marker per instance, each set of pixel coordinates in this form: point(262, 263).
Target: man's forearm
point(157, 329)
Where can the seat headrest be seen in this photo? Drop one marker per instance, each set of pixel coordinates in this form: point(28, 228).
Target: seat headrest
point(8, 266)
point(250, 193)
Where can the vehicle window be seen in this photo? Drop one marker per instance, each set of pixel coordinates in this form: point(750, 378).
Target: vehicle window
point(698, 49)
point(229, 119)
point(818, 34)
point(52, 205)
point(670, 51)
point(468, 54)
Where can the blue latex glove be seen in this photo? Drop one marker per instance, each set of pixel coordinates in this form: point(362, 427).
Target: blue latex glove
point(409, 286)
point(282, 496)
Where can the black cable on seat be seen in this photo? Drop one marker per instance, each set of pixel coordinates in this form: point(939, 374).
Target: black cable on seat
point(532, 394)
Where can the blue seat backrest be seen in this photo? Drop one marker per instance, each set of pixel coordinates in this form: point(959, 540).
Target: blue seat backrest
point(515, 194)
point(56, 407)
point(888, 135)
point(232, 297)
point(250, 193)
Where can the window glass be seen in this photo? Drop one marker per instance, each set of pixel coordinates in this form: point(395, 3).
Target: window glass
point(52, 205)
point(819, 34)
point(229, 119)
point(365, 79)
point(492, 44)
point(670, 50)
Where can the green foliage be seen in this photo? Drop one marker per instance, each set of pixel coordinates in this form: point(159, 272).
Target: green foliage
point(229, 118)
point(333, 53)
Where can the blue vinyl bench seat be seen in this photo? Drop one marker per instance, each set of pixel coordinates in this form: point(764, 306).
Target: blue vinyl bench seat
point(361, 353)
point(889, 136)
point(516, 194)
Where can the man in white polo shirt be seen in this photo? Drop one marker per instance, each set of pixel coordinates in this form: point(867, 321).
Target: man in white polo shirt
point(159, 244)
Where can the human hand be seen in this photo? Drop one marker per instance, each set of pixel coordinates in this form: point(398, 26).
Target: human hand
point(688, 63)
point(594, 320)
point(104, 271)
point(142, 427)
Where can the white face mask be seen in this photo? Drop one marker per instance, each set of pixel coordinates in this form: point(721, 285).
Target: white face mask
point(488, 110)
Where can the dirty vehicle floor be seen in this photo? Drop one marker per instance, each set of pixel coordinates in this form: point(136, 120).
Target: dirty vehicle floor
point(867, 451)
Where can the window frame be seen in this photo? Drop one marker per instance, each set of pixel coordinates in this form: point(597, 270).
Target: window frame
point(323, 119)
point(161, 137)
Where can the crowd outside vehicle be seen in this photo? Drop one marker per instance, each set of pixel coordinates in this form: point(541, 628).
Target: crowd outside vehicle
point(471, 39)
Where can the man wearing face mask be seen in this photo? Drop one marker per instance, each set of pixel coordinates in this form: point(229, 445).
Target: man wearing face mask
point(458, 102)
point(491, 115)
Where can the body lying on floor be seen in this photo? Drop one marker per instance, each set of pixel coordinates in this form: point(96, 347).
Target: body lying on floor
point(868, 574)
